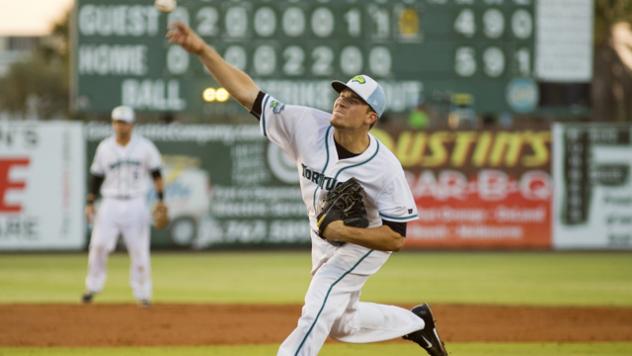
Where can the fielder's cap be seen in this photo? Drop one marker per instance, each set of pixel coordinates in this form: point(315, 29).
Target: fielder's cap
point(123, 113)
point(366, 88)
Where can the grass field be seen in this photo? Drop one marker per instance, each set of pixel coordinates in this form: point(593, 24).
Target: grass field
point(498, 278)
point(251, 277)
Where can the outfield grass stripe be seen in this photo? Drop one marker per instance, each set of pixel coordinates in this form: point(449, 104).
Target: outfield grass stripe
point(282, 278)
point(339, 349)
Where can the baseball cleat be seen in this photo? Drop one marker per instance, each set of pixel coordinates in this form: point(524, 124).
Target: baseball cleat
point(145, 303)
point(87, 297)
point(428, 337)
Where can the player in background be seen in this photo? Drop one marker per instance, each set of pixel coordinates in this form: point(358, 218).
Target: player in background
point(330, 148)
point(121, 170)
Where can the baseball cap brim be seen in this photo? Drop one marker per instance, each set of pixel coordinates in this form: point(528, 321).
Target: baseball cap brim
point(340, 86)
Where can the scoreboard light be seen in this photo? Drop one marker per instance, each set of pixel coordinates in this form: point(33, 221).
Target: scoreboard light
point(211, 95)
point(222, 95)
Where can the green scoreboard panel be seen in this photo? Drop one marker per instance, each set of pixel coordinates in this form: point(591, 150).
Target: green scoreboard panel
point(294, 48)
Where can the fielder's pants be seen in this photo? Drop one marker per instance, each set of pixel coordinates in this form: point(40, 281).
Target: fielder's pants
point(129, 218)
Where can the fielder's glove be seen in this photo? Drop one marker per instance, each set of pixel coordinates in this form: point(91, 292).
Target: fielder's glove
point(344, 202)
point(160, 215)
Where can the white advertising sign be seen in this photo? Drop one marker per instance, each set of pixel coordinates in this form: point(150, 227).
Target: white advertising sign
point(42, 183)
point(564, 40)
point(593, 186)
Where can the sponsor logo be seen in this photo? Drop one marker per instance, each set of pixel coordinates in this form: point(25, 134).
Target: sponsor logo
point(428, 343)
point(470, 149)
point(522, 95)
point(10, 182)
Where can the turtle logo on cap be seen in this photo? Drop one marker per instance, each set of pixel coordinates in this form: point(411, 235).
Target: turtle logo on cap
point(359, 78)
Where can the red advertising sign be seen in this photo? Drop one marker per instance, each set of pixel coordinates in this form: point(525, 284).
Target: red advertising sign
point(7, 184)
point(477, 189)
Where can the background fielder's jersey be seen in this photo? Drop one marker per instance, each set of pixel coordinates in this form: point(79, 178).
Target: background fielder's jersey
point(306, 135)
point(125, 168)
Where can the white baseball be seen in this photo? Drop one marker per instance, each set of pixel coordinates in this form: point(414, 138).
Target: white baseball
point(165, 6)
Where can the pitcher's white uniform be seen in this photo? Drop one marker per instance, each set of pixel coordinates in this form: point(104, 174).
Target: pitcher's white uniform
point(123, 211)
point(332, 306)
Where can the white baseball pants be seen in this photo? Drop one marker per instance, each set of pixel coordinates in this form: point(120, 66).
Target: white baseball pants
point(332, 308)
point(129, 218)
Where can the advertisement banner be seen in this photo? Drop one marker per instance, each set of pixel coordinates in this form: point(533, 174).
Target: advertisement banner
point(41, 185)
point(593, 195)
point(477, 189)
point(225, 186)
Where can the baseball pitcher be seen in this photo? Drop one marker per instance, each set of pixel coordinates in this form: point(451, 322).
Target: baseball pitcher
point(357, 199)
point(121, 170)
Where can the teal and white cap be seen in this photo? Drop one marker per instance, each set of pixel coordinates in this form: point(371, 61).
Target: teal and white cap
point(366, 88)
point(123, 113)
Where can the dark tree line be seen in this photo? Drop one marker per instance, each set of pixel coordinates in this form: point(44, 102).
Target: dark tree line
point(40, 84)
point(612, 79)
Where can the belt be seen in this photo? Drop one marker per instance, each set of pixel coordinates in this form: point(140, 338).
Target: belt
point(122, 197)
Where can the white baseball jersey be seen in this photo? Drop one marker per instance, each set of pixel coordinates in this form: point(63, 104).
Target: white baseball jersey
point(332, 306)
point(126, 168)
point(307, 136)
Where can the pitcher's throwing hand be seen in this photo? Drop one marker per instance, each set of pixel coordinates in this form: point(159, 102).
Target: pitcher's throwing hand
point(182, 35)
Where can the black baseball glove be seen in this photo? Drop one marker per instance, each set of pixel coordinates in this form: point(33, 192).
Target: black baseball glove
point(344, 202)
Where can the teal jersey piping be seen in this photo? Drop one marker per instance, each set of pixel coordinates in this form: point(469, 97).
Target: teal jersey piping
point(325, 301)
point(377, 149)
point(325, 166)
point(400, 218)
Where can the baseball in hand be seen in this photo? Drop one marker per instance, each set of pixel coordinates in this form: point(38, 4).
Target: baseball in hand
point(165, 6)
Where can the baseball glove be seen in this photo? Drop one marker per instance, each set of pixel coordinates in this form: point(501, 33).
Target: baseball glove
point(344, 202)
point(160, 216)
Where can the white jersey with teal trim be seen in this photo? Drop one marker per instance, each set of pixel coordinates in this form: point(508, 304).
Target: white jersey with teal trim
point(125, 168)
point(307, 137)
point(332, 306)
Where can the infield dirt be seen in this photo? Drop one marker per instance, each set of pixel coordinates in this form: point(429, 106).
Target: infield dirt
point(215, 324)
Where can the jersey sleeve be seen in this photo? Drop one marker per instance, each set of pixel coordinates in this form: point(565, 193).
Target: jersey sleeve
point(282, 124)
point(97, 167)
point(396, 202)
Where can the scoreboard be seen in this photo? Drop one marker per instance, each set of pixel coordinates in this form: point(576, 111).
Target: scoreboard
point(294, 48)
